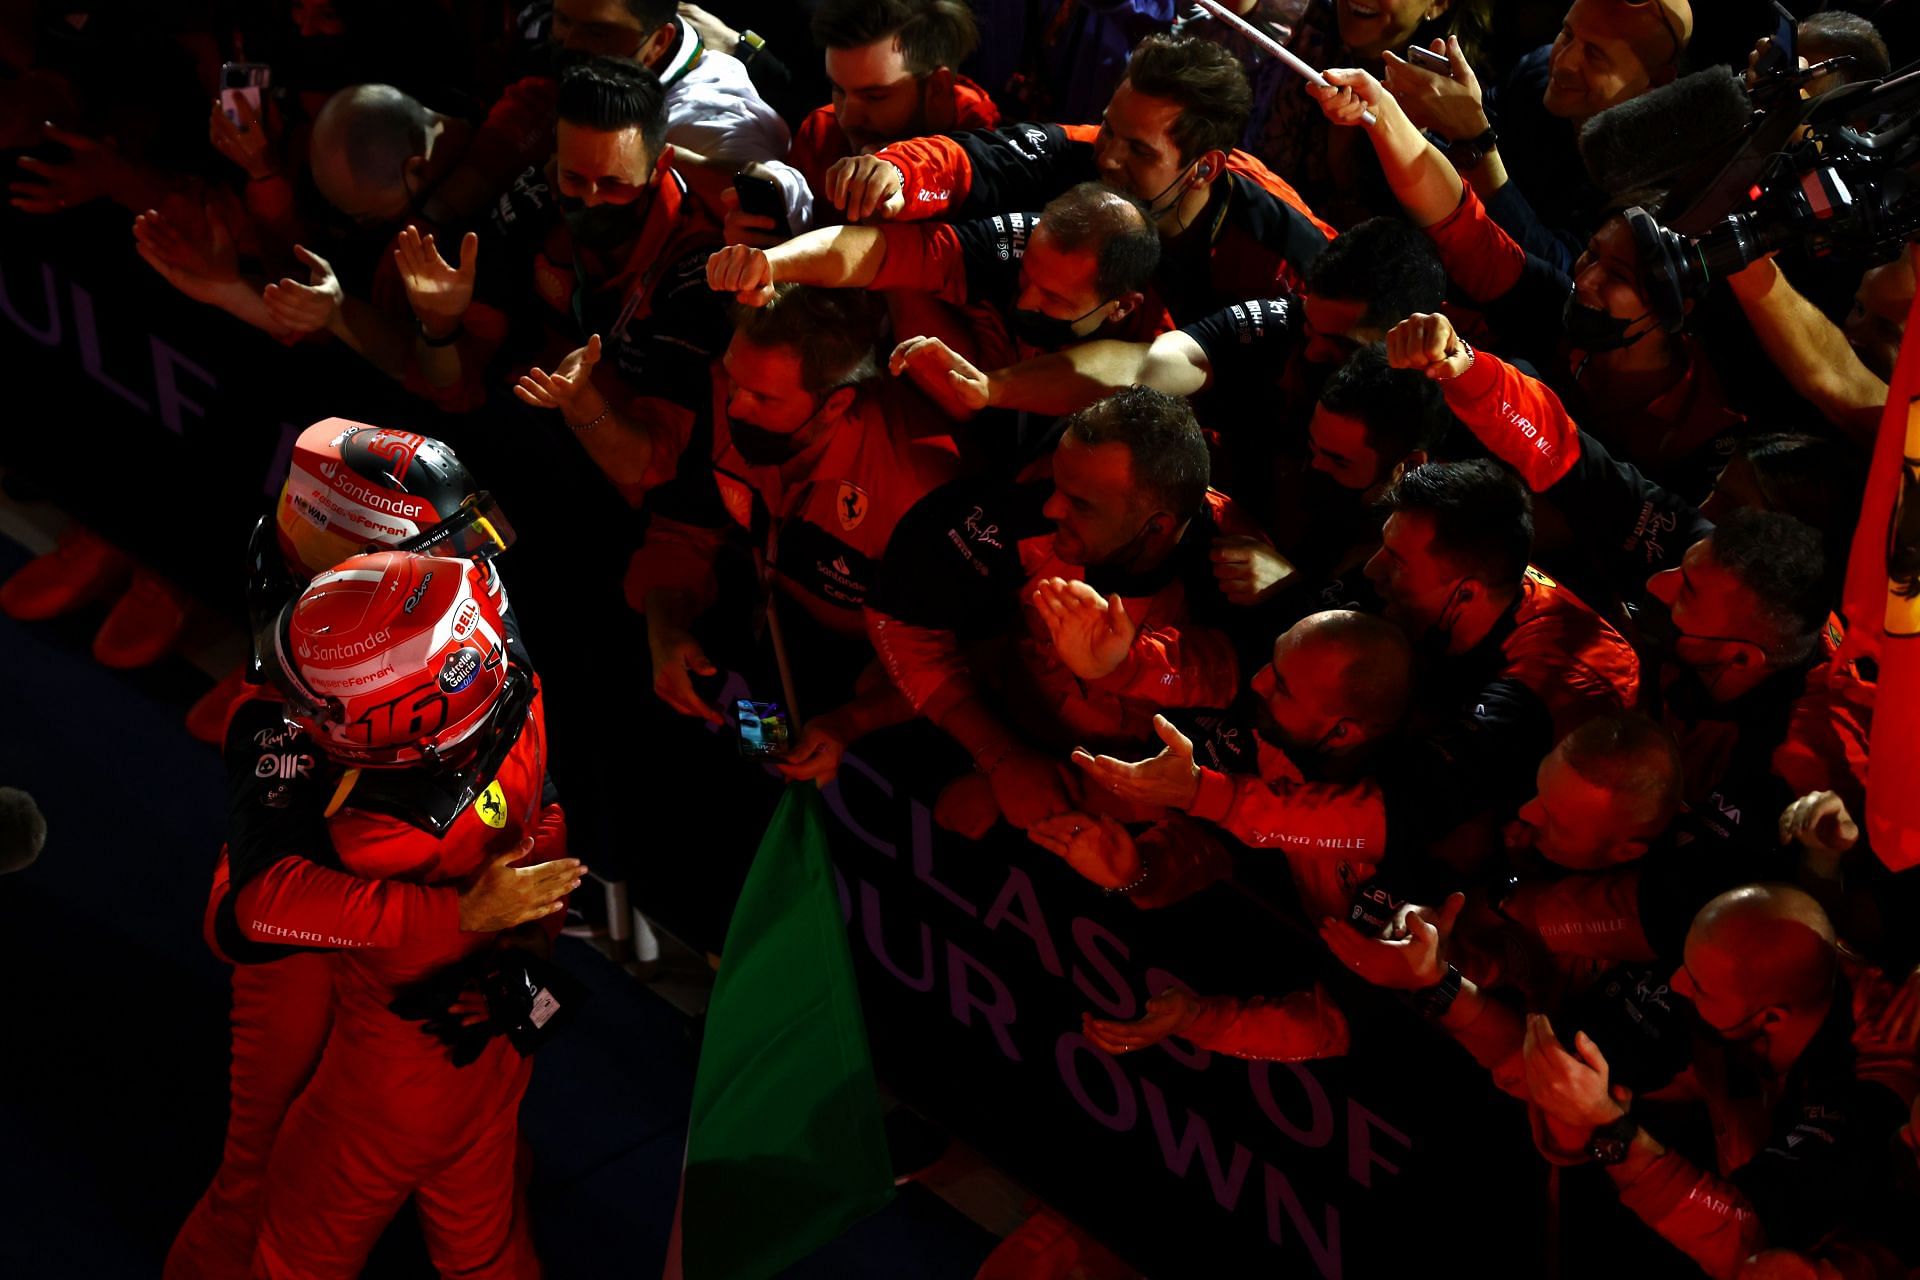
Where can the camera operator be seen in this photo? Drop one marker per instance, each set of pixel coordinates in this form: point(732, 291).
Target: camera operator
point(1734, 612)
point(1652, 394)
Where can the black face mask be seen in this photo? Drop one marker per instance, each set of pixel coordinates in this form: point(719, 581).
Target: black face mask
point(604, 227)
point(1593, 330)
point(761, 447)
point(1049, 333)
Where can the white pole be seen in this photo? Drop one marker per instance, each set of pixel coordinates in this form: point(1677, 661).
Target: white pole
point(1272, 46)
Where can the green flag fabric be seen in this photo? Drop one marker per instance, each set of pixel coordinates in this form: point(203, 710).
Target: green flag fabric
point(785, 1148)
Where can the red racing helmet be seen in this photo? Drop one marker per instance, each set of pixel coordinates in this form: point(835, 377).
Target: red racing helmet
point(391, 659)
point(353, 487)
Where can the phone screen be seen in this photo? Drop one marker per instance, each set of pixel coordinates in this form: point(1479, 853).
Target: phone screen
point(763, 728)
point(761, 197)
point(242, 80)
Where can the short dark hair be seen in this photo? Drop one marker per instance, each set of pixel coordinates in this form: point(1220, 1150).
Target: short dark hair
point(1208, 83)
point(651, 13)
point(1847, 33)
point(1169, 452)
point(931, 33)
point(610, 94)
point(835, 332)
point(1629, 755)
point(1116, 226)
point(23, 830)
point(1403, 410)
point(1482, 515)
point(1384, 262)
point(1816, 479)
point(1782, 562)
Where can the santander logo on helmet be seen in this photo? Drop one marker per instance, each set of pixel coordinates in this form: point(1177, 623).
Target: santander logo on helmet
point(395, 644)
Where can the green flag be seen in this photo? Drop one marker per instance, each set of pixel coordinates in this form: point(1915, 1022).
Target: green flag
point(784, 1146)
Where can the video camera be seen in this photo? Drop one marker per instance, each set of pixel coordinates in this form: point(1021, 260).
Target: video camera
point(1836, 175)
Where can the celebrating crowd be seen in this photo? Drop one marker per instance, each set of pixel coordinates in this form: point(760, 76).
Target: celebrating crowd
point(1225, 466)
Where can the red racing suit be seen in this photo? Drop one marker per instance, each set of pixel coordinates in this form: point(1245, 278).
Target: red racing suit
point(823, 516)
point(386, 1114)
point(1255, 238)
point(819, 143)
point(299, 907)
point(956, 585)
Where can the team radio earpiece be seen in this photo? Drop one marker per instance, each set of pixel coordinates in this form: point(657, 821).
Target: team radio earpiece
point(1205, 170)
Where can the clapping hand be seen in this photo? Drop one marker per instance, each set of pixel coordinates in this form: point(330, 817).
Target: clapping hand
point(1168, 1014)
point(568, 388)
point(1170, 778)
point(1091, 635)
point(439, 292)
point(88, 173)
point(306, 308)
point(1099, 848)
point(198, 265)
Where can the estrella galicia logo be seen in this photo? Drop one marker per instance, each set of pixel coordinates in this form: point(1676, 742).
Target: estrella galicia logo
point(458, 671)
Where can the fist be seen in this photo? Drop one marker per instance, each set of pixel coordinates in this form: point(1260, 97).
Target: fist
point(1428, 344)
point(744, 271)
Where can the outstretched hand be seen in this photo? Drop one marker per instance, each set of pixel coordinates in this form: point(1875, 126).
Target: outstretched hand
point(1091, 635)
point(439, 291)
point(1170, 778)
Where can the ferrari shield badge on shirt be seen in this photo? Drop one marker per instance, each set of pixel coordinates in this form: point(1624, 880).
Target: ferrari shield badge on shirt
point(851, 505)
point(491, 805)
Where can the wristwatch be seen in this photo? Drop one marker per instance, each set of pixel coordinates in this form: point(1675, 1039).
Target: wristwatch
point(1610, 1143)
point(1465, 153)
point(1434, 1001)
point(750, 44)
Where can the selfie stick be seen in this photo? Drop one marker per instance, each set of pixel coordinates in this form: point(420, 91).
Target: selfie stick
point(1274, 47)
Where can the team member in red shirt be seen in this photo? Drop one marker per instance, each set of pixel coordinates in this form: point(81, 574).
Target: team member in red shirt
point(1510, 662)
point(814, 459)
point(1128, 514)
point(1737, 608)
point(892, 66)
point(1232, 228)
point(1078, 269)
point(397, 666)
point(611, 247)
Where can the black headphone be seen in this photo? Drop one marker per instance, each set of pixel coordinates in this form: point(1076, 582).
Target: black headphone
point(1663, 267)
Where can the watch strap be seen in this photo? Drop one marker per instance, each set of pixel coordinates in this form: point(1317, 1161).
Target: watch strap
point(1434, 1001)
point(1610, 1143)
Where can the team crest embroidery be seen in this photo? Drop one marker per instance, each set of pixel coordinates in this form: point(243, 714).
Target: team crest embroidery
point(492, 805)
point(851, 504)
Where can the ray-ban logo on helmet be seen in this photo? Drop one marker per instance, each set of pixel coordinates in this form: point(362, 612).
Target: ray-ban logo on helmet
point(419, 594)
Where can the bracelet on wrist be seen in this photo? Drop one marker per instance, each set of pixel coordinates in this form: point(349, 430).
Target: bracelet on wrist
point(595, 420)
point(1136, 883)
point(445, 340)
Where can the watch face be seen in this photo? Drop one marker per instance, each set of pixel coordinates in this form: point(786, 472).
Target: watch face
point(1608, 1150)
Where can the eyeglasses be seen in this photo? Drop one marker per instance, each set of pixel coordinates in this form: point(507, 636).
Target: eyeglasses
point(1660, 10)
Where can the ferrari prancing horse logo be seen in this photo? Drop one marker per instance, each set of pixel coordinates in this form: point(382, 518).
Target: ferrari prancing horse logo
point(851, 504)
point(492, 805)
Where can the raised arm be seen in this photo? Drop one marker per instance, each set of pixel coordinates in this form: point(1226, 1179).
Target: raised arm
point(1810, 351)
point(832, 257)
point(1421, 178)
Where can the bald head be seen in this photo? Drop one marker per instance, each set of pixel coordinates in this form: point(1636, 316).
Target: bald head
point(1338, 680)
point(1760, 947)
point(369, 142)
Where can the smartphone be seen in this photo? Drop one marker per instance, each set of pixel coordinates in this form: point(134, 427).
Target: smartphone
point(243, 80)
point(1781, 55)
point(1427, 60)
point(761, 197)
point(763, 728)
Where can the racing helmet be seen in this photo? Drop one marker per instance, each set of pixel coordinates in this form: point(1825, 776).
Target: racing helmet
point(353, 487)
point(390, 659)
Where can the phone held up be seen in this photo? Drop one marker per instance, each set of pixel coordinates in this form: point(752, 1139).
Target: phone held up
point(243, 80)
point(763, 729)
point(1427, 60)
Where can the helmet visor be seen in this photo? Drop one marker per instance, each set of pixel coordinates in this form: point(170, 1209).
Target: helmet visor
point(477, 530)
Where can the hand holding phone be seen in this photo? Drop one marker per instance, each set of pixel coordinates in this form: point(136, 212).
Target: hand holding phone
point(761, 198)
point(1427, 60)
point(763, 728)
point(240, 80)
